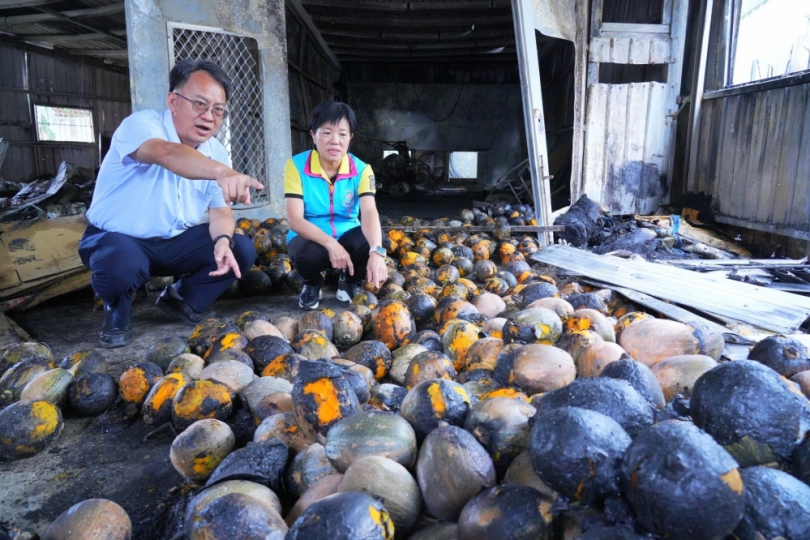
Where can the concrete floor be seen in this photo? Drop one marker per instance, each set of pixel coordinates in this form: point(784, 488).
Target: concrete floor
point(94, 460)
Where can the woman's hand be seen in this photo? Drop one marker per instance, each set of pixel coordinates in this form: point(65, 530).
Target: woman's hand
point(376, 271)
point(339, 257)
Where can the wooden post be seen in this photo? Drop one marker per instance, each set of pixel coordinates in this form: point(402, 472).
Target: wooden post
point(533, 111)
point(698, 86)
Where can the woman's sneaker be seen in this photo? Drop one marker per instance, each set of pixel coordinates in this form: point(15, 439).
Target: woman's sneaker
point(346, 289)
point(310, 297)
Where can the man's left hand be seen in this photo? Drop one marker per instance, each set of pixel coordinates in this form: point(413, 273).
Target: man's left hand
point(225, 260)
point(376, 271)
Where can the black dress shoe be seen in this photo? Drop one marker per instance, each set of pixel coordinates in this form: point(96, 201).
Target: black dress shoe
point(112, 337)
point(174, 305)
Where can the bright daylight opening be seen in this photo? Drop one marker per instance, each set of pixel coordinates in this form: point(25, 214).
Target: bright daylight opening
point(64, 124)
point(773, 39)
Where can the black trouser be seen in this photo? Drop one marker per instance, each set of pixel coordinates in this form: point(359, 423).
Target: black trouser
point(310, 258)
point(121, 264)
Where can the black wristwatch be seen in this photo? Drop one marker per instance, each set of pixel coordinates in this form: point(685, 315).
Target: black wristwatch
point(221, 236)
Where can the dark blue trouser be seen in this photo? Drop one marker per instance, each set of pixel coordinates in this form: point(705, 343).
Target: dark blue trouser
point(121, 264)
point(310, 258)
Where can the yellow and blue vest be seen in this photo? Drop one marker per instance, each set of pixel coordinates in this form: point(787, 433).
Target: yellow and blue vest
point(334, 207)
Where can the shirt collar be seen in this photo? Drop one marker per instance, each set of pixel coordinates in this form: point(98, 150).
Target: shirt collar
point(172, 136)
point(347, 168)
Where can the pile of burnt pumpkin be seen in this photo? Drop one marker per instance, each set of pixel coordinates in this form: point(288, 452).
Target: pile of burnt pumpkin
point(471, 401)
point(273, 268)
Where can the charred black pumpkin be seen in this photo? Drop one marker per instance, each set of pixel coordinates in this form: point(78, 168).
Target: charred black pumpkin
point(783, 354)
point(776, 505)
point(501, 425)
point(321, 397)
point(506, 511)
point(348, 514)
point(94, 393)
point(578, 452)
point(430, 402)
point(27, 427)
point(675, 457)
point(612, 397)
point(753, 412)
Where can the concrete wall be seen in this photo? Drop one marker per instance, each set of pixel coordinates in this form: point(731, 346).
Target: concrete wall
point(456, 117)
point(262, 20)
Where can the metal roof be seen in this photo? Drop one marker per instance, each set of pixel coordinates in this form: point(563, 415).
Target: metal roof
point(93, 29)
point(422, 30)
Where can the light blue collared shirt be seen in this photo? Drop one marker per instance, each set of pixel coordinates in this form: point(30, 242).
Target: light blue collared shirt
point(147, 201)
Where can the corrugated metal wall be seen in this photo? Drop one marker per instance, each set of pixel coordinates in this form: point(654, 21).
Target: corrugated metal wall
point(311, 79)
point(28, 79)
point(754, 156)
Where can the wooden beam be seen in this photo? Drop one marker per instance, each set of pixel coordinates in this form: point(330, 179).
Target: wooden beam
point(760, 86)
point(468, 53)
point(627, 28)
point(10, 4)
point(102, 53)
point(72, 14)
point(698, 86)
point(64, 38)
point(396, 22)
point(95, 28)
point(406, 6)
point(438, 46)
point(503, 59)
point(533, 116)
point(479, 32)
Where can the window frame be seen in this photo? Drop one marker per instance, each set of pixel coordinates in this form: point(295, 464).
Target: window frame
point(450, 159)
point(732, 33)
point(41, 141)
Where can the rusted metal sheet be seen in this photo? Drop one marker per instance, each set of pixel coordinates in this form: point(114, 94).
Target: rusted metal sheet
point(626, 141)
point(629, 128)
point(754, 157)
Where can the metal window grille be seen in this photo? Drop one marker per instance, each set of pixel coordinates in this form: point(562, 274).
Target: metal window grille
point(242, 132)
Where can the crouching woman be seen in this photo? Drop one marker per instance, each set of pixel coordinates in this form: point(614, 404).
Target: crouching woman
point(329, 196)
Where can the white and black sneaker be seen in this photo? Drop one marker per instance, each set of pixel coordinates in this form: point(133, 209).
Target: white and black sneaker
point(310, 297)
point(346, 289)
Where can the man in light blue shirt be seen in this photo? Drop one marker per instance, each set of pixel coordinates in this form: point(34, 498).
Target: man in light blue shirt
point(163, 172)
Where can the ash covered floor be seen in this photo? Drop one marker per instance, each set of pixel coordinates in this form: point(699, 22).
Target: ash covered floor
point(115, 462)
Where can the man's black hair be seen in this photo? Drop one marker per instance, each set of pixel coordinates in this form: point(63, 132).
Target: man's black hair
point(331, 112)
point(183, 69)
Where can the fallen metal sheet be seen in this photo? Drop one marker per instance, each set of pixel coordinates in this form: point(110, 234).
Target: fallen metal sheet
point(791, 287)
point(763, 263)
point(759, 306)
point(678, 313)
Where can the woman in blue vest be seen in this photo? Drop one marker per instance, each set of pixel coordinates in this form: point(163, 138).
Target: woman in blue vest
point(333, 216)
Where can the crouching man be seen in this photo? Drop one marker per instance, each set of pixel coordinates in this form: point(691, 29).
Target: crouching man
point(162, 173)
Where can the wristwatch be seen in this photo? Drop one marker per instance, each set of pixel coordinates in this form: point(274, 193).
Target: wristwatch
point(221, 236)
point(379, 250)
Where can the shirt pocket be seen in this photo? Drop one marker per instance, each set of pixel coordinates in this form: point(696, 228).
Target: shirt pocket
point(194, 207)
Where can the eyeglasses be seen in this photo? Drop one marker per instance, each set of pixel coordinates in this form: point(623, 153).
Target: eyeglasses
point(202, 107)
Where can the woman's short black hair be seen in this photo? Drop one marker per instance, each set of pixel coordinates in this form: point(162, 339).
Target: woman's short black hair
point(331, 112)
point(183, 69)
